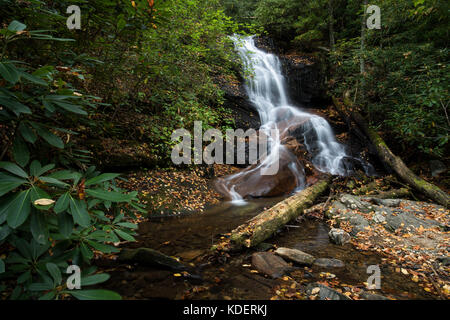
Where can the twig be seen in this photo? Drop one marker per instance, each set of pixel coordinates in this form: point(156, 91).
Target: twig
point(435, 284)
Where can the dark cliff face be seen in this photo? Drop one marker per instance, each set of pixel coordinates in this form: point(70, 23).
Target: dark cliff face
point(304, 76)
point(236, 99)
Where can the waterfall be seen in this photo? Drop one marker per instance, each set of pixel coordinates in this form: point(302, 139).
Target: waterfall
point(266, 89)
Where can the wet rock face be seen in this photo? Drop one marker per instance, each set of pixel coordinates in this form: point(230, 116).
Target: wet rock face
point(236, 99)
point(304, 78)
point(305, 81)
point(394, 214)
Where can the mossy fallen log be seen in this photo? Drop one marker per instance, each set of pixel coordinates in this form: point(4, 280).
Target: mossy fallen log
point(388, 157)
point(265, 225)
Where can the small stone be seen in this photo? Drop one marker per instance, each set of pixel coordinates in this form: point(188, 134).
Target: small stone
point(444, 260)
point(339, 236)
point(379, 218)
point(329, 263)
point(371, 296)
point(296, 256)
point(324, 292)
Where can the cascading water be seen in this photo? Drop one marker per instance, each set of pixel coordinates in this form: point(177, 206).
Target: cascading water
point(267, 91)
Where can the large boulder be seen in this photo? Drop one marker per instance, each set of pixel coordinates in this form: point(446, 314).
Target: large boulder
point(270, 264)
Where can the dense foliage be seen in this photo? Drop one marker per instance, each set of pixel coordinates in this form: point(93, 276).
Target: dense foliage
point(151, 61)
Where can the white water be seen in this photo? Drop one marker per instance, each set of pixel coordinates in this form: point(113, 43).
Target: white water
point(266, 89)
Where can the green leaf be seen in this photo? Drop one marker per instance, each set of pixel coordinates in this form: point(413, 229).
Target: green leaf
point(15, 106)
point(63, 203)
point(14, 169)
point(94, 295)
point(124, 235)
point(48, 296)
point(110, 195)
point(39, 227)
point(94, 279)
point(49, 137)
point(9, 183)
point(102, 247)
point(128, 225)
point(53, 181)
point(78, 209)
point(65, 224)
point(40, 287)
point(5, 231)
point(101, 178)
point(55, 273)
point(33, 79)
point(66, 175)
point(19, 209)
point(21, 153)
point(35, 167)
point(70, 107)
point(27, 133)
point(2, 266)
point(86, 252)
point(9, 72)
point(15, 26)
point(37, 193)
point(45, 169)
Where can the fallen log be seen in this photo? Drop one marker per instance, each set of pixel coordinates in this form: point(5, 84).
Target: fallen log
point(392, 194)
point(388, 157)
point(265, 225)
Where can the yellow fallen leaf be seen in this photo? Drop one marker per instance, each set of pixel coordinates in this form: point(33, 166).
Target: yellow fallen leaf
point(43, 202)
point(177, 274)
point(315, 291)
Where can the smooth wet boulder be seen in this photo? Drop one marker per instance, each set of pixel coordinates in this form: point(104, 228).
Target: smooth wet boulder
point(324, 292)
point(296, 256)
point(151, 258)
point(270, 264)
point(251, 183)
point(372, 296)
point(328, 263)
point(339, 236)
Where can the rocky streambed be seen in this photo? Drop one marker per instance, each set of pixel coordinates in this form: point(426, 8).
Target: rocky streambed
point(310, 258)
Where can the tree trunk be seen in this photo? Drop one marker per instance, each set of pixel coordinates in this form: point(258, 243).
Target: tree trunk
point(331, 24)
point(395, 163)
point(267, 223)
point(363, 39)
point(386, 155)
